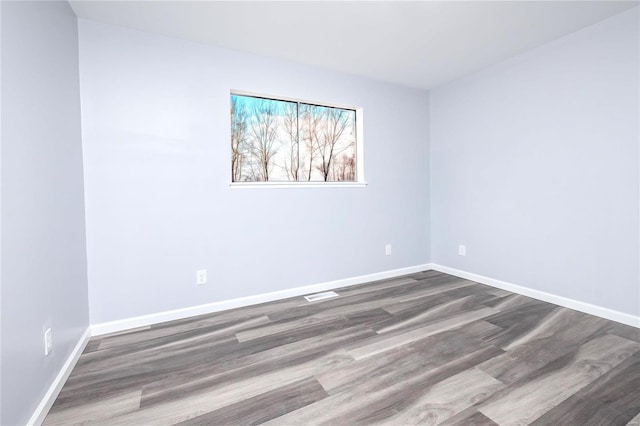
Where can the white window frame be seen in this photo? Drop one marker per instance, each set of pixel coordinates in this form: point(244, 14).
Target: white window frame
point(361, 182)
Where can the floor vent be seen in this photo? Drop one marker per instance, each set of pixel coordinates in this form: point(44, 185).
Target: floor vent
point(321, 296)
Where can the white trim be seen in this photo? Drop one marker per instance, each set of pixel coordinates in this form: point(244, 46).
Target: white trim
point(298, 184)
point(145, 320)
point(577, 305)
point(360, 146)
point(50, 396)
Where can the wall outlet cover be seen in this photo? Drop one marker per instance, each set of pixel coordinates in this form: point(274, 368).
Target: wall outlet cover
point(48, 342)
point(201, 276)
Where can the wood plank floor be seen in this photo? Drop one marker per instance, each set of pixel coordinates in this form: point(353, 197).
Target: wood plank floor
point(427, 348)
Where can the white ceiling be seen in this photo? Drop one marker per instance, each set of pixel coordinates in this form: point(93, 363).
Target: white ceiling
point(419, 44)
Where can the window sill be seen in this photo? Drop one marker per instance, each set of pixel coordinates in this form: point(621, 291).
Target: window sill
point(298, 184)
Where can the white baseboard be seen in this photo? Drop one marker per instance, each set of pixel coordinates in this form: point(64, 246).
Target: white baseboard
point(587, 308)
point(49, 398)
point(145, 320)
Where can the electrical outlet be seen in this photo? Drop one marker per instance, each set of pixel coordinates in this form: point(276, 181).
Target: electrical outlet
point(387, 250)
point(48, 342)
point(201, 277)
point(462, 250)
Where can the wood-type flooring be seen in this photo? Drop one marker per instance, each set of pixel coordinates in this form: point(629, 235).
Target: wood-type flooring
point(426, 348)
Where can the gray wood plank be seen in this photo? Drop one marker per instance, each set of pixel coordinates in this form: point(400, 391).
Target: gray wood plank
point(207, 376)
point(448, 398)
point(381, 398)
point(96, 411)
point(469, 417)
point(526, 402)
point(560, 336)
point(392, 341)
point(611, 399)
point(263, 407)
point(394, 366)
point(425, 348)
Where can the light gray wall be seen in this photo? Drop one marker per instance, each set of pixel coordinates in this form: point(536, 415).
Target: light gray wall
point(155, 114)
point(0, 211)
point(44, 281)
point(535, 168)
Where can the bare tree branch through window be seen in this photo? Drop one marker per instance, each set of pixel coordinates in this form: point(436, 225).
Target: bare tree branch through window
point(286, 141)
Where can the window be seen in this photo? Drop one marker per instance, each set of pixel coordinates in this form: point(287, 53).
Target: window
point(287, 141)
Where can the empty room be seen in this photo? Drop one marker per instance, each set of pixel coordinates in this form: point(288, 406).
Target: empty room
point(320, 212)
